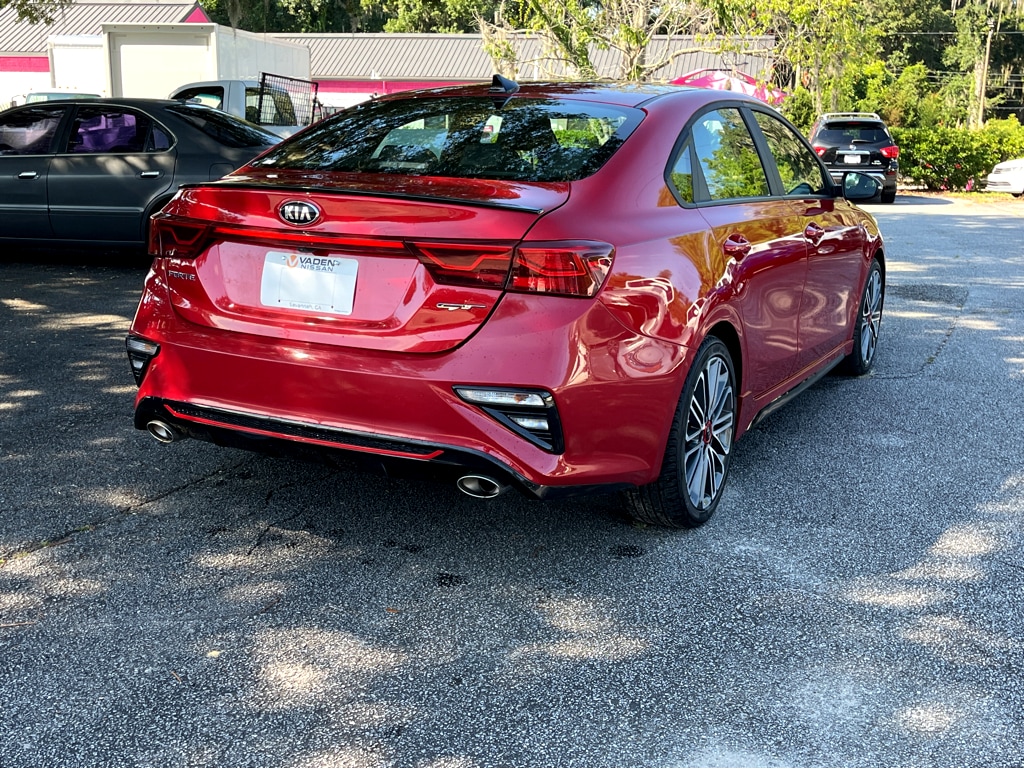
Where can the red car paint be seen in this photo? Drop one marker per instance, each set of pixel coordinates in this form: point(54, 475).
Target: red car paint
point(484, 282)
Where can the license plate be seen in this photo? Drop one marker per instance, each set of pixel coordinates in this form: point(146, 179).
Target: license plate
point(851, 160)
point(325, 284)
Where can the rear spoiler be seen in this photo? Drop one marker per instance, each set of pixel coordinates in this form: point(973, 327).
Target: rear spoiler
point(243, 183)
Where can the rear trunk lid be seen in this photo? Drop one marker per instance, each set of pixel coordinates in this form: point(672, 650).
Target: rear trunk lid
point(395, 263)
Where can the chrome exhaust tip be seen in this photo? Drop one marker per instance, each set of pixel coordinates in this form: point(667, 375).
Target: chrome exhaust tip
point(163, 432)
point(480, 486)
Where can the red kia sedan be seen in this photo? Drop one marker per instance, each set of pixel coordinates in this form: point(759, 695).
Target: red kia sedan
point(561, 288)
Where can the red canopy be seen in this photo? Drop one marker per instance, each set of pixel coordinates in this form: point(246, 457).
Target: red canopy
point(724, 80)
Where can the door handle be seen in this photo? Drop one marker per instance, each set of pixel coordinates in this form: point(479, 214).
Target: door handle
point(814, 232)
point(28, 175)
point(736, 246)
point(149, 174)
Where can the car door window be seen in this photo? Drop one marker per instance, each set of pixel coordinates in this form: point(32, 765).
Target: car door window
point(112, 129)
point(728, 157)
point(798, 167)
point(30, 131)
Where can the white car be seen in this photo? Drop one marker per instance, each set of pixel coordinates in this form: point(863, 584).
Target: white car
point(1007, 176)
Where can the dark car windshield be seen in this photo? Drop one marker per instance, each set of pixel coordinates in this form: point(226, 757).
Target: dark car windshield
point(847, 133)
point(226, 129)
point(538, 140)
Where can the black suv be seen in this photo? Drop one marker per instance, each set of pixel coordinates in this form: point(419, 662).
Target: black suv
point(857, 141)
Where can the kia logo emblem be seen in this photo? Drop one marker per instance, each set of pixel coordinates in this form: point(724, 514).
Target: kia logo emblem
point(298, 212)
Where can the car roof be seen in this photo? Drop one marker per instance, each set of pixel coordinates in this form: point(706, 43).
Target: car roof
point(609, 92)
point(114, 100)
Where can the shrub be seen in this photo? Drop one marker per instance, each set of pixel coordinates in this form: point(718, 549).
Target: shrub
point(943, 158)
point(799, 108)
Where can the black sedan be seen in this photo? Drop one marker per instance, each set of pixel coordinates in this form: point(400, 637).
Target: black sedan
point(94, 170)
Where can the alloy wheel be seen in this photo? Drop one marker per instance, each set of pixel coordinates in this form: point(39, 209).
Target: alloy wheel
point(871, 316)
point(709, 431)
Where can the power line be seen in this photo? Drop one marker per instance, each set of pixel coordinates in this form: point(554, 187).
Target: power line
point(917, 34)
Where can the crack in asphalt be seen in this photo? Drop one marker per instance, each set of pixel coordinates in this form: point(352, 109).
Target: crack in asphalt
point(118, 514)
point(932, 293)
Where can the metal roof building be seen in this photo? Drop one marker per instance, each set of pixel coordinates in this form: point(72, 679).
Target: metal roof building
point(435, 57)
point(352, 67)
point(19, 38)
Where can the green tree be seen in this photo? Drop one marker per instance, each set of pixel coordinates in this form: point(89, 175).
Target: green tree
point(434, 15)
point(574, 29)
point(36, 11)
point(817, 41)
point(294, 16)
point(912, 31)
point(896, 98)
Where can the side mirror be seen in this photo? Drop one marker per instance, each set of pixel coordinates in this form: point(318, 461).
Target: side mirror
point(858, 187)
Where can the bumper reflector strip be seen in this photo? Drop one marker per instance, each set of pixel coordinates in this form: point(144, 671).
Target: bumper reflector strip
point(530, 414)
point(312, 434)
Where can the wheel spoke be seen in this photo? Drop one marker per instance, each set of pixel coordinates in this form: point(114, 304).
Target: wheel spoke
point(695, 424)
point(722, 434)
point(696, 476)
point(716, 473)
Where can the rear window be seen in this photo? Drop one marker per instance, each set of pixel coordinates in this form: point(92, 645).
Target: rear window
point(847, 133)
point(533, 140)
point(224, 128)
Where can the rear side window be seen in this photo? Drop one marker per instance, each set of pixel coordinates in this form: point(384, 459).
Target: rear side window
point(538, 140)
point(30, 131)
point(114, 129)
point(681, 175)
point(222, 127)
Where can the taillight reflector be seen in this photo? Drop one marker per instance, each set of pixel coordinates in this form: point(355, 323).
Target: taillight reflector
point(891, 152)
point(568, 268)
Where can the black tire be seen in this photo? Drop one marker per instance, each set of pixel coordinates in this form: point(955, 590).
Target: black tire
point(869, 319)
point(699, 449)
point(888, 196)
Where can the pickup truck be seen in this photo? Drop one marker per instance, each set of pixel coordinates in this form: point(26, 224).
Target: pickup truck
point(280, 104)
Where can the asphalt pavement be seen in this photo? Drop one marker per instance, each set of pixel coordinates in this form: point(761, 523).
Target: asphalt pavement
point(856, 600)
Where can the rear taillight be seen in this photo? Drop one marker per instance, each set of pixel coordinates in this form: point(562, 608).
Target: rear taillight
point(567, 268)
point(820, 150)
point(176, 238)
point(465, 264)
point(892, 152)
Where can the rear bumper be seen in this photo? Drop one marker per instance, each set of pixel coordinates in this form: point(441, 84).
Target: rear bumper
point(400, 411)
point(886, 178)
point(1011, 186)
point(395, 457)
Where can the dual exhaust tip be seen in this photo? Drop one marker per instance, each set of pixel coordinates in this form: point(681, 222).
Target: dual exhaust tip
point(163, 432)
point(480, 486)
point(476, 486)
